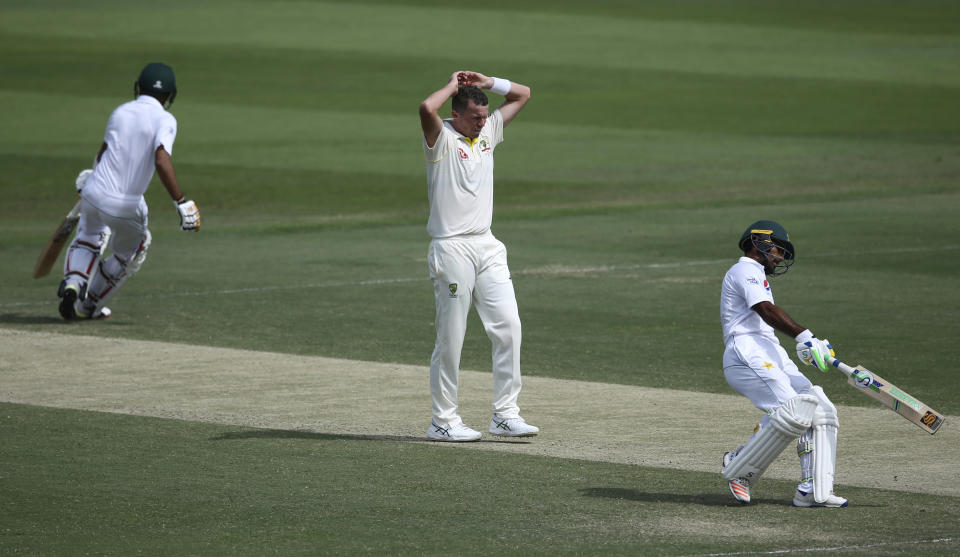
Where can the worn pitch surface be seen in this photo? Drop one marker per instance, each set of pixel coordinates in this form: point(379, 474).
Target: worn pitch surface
point(582, 420)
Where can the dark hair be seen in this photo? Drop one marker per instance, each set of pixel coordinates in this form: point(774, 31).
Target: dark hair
point(465, 95)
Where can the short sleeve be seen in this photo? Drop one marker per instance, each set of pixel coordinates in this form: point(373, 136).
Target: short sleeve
point(440, 147)
point(495, 127)
point(755, 289)
point(166, 134)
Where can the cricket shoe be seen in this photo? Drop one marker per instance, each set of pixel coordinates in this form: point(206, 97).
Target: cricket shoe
point(512, 427)
point(457, 433)
point(69, 294)
point(739, 487)
point(802, 499)
point(102, 313)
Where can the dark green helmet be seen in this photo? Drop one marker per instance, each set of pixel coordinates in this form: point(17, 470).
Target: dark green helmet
point(156, 79)
point(765, 234)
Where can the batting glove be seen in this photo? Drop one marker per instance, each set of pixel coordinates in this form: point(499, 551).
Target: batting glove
point(813, 351)
point(189, 215)
point(82, 178)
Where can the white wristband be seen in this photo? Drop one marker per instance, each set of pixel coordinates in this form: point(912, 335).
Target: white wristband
point(500, 86)
point(804, 336)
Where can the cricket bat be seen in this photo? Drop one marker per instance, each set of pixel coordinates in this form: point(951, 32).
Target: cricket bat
point(55, 245)
point(891, 396)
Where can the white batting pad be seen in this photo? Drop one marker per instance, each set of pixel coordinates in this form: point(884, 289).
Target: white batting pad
point(825, 426)
point(114, 271)
point(80, 261)
point(786, 423)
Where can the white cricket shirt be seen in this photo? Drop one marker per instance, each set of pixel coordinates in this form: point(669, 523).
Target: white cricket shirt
point(460, 179)
point(744, 286)
point(134, 132)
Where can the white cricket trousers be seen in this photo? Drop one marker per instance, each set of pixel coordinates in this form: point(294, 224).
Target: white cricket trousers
point(127, 218)
point(760, 369)
point(473, 269)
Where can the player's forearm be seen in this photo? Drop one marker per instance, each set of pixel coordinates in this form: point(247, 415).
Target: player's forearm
point(167, 175)
point(518, 93)
point(778, 319)
point(433, 103)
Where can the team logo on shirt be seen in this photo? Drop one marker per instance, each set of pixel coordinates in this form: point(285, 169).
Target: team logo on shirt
point(463, 154)
point(453, 290)
point(484, 146)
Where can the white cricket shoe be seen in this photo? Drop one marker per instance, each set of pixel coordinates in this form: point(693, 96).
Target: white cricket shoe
point(512, 427)
point(457, 433)
point(739, 487)
point(801, 499)
point(102, 313)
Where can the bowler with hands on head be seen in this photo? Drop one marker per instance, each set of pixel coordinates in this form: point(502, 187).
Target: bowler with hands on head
point(467, 263)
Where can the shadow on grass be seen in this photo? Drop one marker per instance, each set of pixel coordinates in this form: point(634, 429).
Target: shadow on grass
point(294, 434)
point(55, 319)
point(708, 499)
point(17, 319)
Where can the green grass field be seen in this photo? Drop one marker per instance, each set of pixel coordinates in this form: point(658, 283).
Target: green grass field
point(656, 132)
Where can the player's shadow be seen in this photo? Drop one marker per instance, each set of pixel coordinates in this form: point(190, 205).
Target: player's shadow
point(294, 434)
point(18, 319)
point(311, 435)
point(706, 499)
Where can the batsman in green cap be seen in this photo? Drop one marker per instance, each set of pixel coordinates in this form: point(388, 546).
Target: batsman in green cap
point(138, 141)
point(756, 366)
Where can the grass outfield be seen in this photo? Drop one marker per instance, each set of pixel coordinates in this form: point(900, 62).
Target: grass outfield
point(125, 485)
point(656, 132)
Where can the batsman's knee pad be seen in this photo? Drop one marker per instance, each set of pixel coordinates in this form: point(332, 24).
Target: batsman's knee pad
point(114, 271)
point(825, 425)
point(140, 255)
point(786, 423)
point(80, 261)
point(132, 249)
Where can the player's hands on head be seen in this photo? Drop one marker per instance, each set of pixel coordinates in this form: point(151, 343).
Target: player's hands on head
point(189, 215)
point(816, 352)
point(467, 78)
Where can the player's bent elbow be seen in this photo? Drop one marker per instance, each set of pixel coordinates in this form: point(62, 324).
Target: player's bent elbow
point(523, 93)
point(426, 111)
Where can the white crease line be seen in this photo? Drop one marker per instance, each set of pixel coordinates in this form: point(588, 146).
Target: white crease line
point(547, 270)
point(820, 549)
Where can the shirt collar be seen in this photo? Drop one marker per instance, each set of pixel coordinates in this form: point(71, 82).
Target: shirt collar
point(470, 141)
point(148, 99)
point(746, 259)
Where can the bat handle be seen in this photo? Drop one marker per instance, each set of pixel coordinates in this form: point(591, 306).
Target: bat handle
point(847, 370)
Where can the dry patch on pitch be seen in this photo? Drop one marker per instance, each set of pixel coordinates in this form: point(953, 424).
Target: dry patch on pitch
point(589, 421)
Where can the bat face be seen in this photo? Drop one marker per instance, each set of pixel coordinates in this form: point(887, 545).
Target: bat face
point(896, 399)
